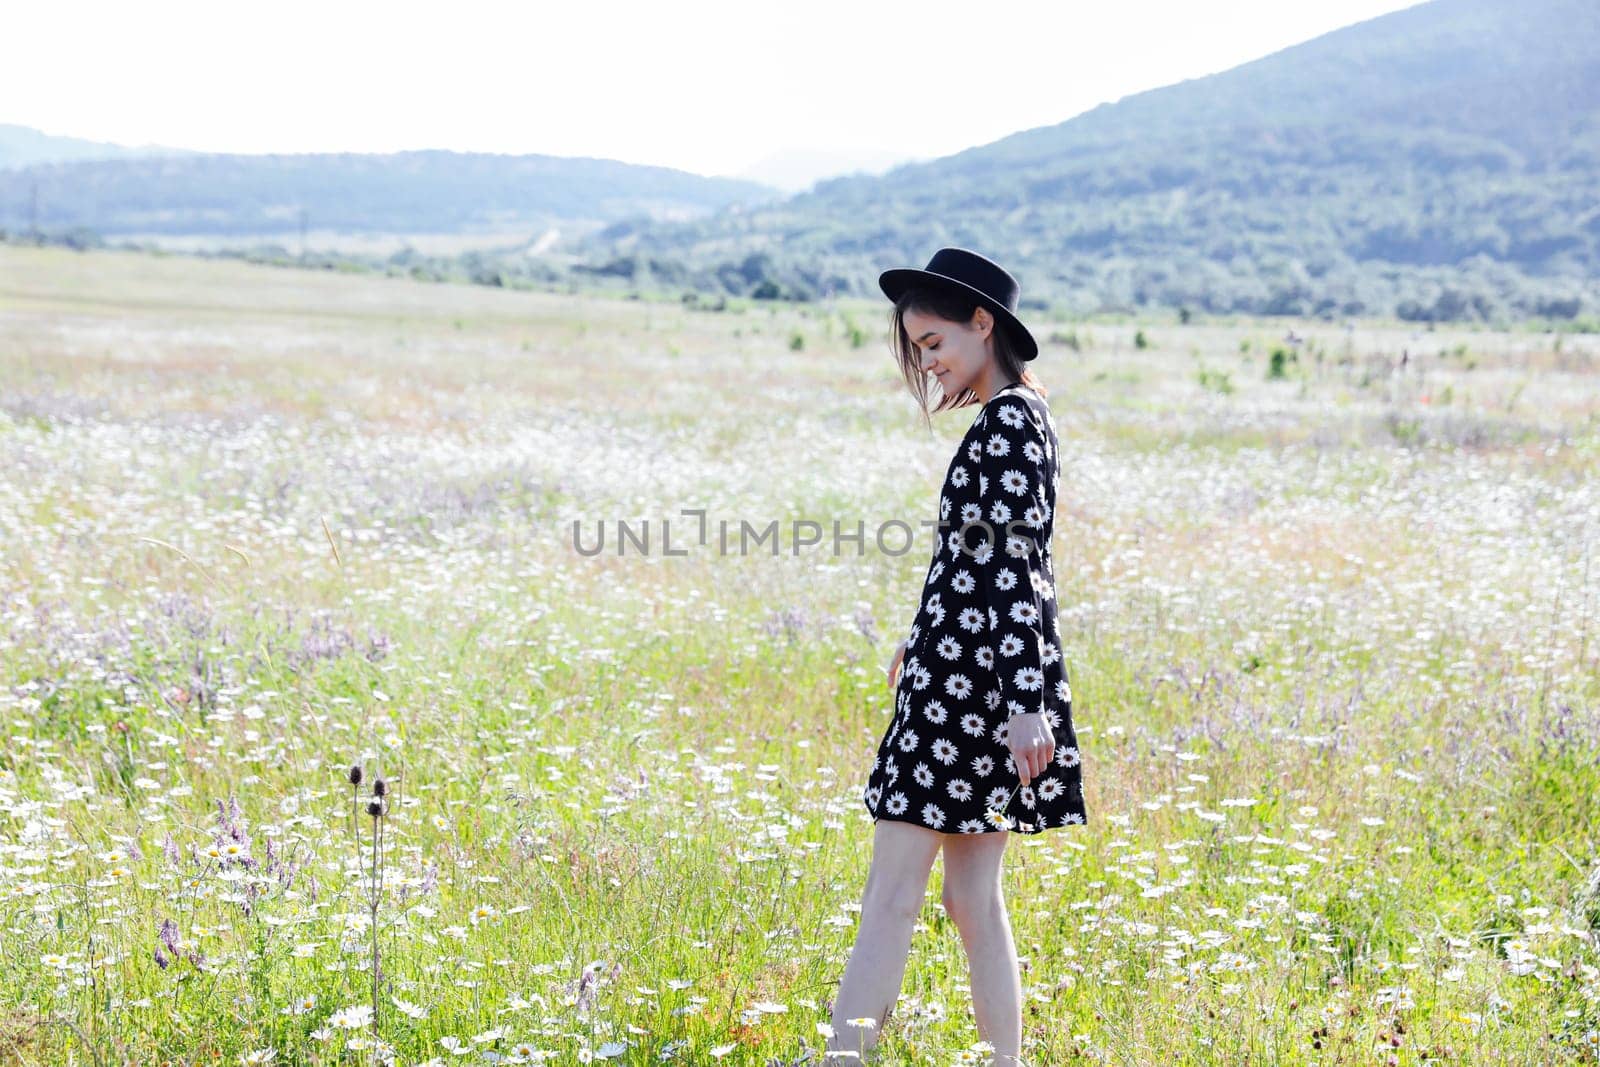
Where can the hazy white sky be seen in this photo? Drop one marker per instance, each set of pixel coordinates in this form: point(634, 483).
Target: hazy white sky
point(711, 86)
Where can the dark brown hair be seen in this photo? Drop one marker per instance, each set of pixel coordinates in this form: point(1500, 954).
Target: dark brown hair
point(951, 304)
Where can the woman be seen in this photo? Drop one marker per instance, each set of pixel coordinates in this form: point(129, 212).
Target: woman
point(981, 743)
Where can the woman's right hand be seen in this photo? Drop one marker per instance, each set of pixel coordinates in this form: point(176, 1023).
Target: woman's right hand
point(894, 662)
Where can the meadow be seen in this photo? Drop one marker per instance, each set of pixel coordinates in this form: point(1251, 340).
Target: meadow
point(1327, 591)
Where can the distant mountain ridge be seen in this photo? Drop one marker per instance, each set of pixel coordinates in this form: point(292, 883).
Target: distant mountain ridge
point(23, 146)
point(401, 192)
point(1439, 161)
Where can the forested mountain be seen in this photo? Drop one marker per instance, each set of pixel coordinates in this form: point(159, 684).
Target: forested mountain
point(1440, 162)
point(402, 192)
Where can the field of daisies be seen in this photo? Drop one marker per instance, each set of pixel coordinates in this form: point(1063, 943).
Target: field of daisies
point(425, 674)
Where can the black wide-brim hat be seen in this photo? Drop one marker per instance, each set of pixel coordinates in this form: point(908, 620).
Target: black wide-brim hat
point(974, 275)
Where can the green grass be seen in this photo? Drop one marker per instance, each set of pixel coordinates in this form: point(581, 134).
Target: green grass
point(1336, 691)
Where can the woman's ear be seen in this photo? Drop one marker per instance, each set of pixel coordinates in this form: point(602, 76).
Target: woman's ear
point(982, 320)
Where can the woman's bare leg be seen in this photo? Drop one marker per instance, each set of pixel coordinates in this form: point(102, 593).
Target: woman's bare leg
point(902, 856)
point(975, 899)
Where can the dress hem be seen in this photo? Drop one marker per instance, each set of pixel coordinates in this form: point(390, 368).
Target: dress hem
point(987, 828)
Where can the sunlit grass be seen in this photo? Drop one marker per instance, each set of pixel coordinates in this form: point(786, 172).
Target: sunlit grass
point(1330, 641)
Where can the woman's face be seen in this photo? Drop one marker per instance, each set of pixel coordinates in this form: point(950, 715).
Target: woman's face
point(956, 353)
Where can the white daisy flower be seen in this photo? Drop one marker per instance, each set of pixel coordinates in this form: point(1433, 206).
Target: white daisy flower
point(958, 686)
point(301, 1005)
point(972, 723)
point(959, 789)
point(998, 445)
point(983, 766)
point(949, 648)
point(933, 815)
point(408, 1009)
point(1024, 611)
point(1014, 482)
point(963, 582)
point(908, 741)
point(1067, 756)
point(351, 1018)
point(984, 656)
point(944, 751)
point(1029, 679)
point(970, 620)
point(897, 803)
point(1005, 578)
point(935, 712)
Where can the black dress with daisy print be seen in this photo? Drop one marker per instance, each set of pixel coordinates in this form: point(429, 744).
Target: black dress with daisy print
point(985, 644)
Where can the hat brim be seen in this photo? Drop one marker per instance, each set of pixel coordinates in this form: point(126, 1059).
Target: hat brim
point(896, 281)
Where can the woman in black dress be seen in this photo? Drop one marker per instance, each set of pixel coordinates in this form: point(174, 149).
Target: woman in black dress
point(981, 742)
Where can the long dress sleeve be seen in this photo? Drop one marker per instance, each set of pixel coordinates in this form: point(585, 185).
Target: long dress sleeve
point(1013, 462)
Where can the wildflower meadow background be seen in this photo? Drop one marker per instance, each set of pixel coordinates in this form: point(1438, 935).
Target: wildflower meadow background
point(1329, 592)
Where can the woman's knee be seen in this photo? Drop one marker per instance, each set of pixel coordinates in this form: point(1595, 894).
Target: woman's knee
point(900, 900)
point(972, 900)
point(902, 859)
